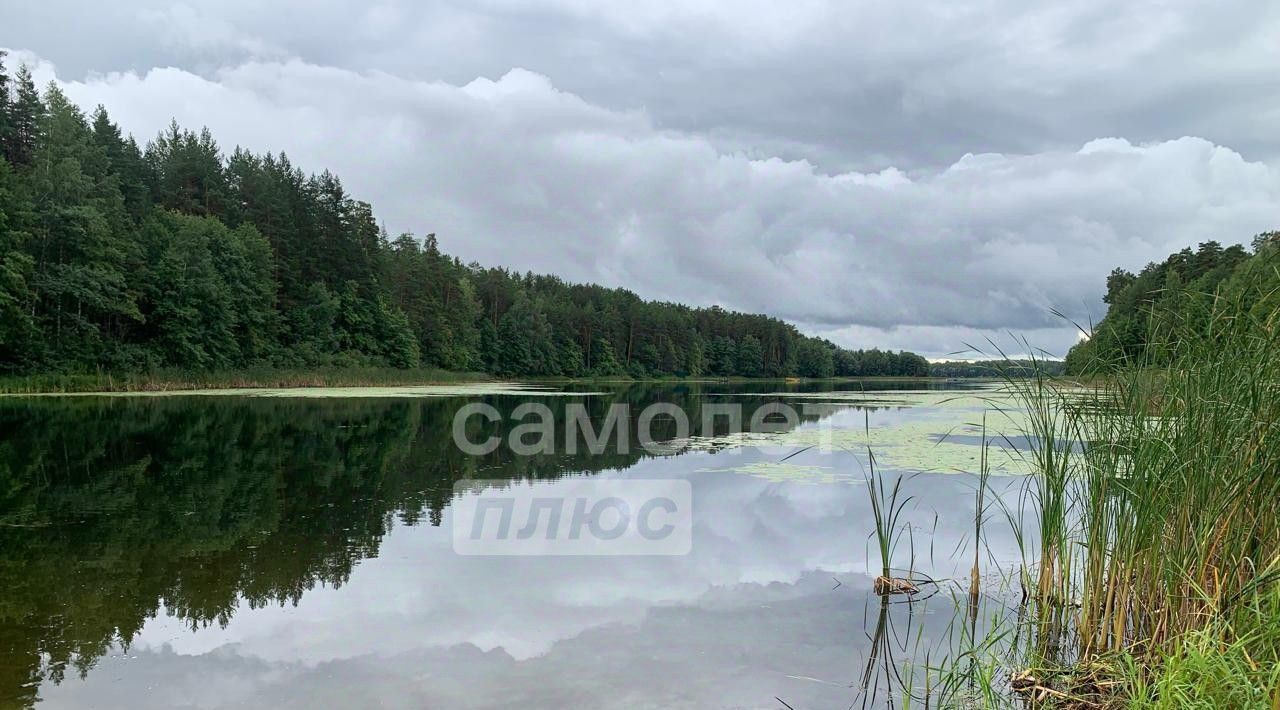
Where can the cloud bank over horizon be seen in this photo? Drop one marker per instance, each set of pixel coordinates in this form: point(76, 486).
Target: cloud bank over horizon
point(889, 194)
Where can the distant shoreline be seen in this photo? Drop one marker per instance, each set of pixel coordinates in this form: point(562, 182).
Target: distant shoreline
point(289, 378)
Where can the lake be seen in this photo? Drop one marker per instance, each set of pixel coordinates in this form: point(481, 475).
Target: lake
point(294, 549)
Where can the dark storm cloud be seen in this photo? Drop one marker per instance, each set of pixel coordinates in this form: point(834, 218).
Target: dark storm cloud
point(882, 174)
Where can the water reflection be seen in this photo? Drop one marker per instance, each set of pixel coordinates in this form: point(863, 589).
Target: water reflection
point(275, 552)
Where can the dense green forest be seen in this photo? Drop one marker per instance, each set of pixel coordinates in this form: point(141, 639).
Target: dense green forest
point(1187, 292)
point(995, 368)
point(121, 258)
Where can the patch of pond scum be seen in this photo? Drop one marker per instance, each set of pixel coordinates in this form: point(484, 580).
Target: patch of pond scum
point(784, 472)
point(942, 432)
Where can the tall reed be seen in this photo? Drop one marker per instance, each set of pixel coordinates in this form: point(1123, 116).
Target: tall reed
point(1158, 486)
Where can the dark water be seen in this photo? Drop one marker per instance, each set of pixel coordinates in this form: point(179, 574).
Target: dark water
point(209, 552)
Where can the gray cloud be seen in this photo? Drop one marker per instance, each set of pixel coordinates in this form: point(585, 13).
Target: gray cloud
point(845, 84)
point(884, 176)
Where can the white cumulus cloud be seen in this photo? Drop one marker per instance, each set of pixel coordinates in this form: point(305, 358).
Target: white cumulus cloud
point(515, 171)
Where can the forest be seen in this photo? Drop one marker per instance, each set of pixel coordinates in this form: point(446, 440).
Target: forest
point(996, 368)
point(116, 257)
point(1150, 313)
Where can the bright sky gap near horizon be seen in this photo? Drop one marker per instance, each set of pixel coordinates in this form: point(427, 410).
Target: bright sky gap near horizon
point(905, 176)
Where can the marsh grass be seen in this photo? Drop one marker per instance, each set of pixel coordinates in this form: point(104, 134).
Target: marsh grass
point(1157, 497)
point(886, 508)
point(1231, 663)
point(1149, 532)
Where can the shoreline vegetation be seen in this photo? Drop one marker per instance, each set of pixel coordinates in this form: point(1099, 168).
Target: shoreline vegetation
point(252, 378)
point(286, 378)
point(1151, 557)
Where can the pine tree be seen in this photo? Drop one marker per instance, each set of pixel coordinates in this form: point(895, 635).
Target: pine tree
point(462, 315)
point(604, 360)
point(515, 347)
point(313, 326)
point(17, 327)
point(490, 352)
point(124, 161)
point(191, 308)
point(569, 361)
point(695, 356)
point(814, 358)
point(6, 110)
point(26, 114)
point(724, 354)
point(749, 360)
point(243, 259)
point(83, 249)
point(400, 346)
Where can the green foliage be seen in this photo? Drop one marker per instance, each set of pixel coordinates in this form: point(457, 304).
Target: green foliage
point(724, 359)
point(6, 110)
point(17, 327)
point(750, 356)
point(23, 112)
point(815, 359)
point(188, 303)
point(1232, 664)
point(1183, 288)
point(604, 361)
point(996, 368)
point(84, 248)
point(1155, 496)
point(120, 259)
point(879, 363)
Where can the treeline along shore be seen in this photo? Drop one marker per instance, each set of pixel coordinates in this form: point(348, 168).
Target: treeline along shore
point(175, 257)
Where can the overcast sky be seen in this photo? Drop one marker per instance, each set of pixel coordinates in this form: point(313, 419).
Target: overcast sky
point(884, 174)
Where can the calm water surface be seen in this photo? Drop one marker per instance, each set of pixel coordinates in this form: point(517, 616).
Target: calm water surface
point(238, 551)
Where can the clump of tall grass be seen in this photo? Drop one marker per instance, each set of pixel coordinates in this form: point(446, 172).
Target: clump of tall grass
point(886, 508)
point(1157, 490)
point(1234, 662)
